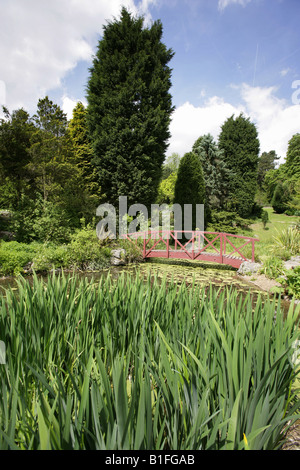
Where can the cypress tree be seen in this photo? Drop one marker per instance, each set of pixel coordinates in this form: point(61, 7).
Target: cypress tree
point(280, 198)
point(129, 109)
point(189, 186)
point(239, 141)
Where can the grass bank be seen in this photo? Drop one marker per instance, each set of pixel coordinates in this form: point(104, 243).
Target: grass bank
point(279, 242)
point(277, 224)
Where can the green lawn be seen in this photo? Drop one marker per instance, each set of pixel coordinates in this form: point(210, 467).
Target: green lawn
point(277, 223)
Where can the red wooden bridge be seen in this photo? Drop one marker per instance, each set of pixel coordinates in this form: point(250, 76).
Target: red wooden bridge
point(197, 245)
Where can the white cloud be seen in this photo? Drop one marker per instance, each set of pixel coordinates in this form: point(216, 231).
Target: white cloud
point(284, 72)
point(41, 41)
point(2, 93)
point(190, 122)
point(225, 3)
point(276, 120)
point(68, 105)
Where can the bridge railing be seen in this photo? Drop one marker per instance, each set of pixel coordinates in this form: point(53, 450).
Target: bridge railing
point(192, 244)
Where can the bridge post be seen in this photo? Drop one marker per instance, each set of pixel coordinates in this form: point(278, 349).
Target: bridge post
point(193, 245)
point(168, 240)
point(221, 247)
point(144, 247)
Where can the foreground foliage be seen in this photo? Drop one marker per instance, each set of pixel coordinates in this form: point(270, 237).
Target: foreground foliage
point(288, 240)
point(134, 364)
point(291, 282)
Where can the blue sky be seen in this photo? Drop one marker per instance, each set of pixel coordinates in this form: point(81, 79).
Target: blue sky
point(231, 56)
point(258, 44)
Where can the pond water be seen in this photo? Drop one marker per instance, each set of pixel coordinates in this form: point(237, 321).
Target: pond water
point(203, 275)
point(177, 272)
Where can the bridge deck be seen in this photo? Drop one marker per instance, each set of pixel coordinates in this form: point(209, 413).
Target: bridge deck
point(233, 261)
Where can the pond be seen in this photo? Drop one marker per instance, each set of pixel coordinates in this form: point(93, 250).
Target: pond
point(177, 272)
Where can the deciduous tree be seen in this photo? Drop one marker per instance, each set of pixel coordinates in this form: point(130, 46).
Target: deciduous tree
point(266, 162)
point(293, 157)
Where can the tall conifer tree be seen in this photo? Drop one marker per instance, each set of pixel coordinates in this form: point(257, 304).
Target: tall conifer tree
point(129, 109)
point(239, 141)
point(293, 157)
point(215, 171)
point(15, 136)
point(190, 186)
point(51, 164)
point(83, 149)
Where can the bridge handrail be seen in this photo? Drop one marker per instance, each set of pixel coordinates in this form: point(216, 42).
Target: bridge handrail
point(150, 232)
